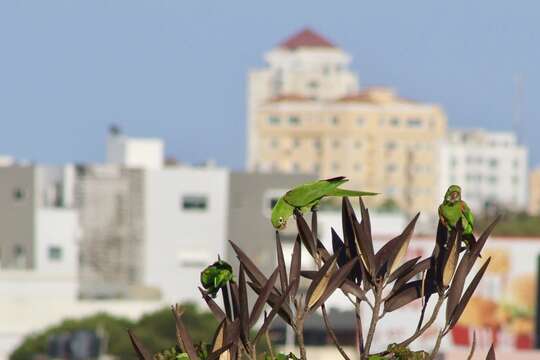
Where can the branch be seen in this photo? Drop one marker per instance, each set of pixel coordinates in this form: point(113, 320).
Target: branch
point(374, 319)
point(417, 334)
point(332, 334)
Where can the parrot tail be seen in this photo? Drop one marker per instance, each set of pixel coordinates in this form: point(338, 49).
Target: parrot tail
point(342, 192)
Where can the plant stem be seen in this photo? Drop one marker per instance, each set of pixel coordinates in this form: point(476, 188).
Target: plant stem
point(359, 332)
point(437, 345)
point(417, 334)
point(299, 330)
point(374, 320)
point(269, 345)
point(332, 334)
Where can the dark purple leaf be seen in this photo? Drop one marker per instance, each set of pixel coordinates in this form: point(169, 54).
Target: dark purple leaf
point(182, 334)
point(261, 300)
point(140, 350)
point(468, 294)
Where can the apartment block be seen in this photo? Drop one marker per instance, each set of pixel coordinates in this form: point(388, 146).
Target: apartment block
point(491, 167)
point(307, 115)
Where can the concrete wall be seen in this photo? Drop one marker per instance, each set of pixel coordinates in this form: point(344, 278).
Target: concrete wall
point(249, 215)
point(17, 216)
point(57, 237)
point(180, 242)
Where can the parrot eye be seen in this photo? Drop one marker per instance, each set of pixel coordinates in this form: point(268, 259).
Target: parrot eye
point(280, 220)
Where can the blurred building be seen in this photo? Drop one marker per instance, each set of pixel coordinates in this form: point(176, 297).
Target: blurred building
point(491, 168)
point(40, 229)
point(534, 192)
point(305, 115)
point(133, 152)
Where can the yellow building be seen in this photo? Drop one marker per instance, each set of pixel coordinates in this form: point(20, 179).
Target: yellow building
point(534, 192)
point(380, 141)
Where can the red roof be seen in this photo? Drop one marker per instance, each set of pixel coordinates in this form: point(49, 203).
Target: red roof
point(306, 38)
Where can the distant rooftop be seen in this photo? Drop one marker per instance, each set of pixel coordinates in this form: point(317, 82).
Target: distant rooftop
point(306, 38)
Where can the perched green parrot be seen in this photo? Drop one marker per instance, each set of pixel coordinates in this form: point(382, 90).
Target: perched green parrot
point(216, 276)
point(307, 196)
point(453, 209)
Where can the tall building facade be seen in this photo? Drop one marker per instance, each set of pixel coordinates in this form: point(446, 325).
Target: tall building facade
point(534, 192)
point(491, 168)
point(306, 114)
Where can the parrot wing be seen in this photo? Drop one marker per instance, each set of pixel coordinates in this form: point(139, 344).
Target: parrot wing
point(310, 193)
point(467, 213)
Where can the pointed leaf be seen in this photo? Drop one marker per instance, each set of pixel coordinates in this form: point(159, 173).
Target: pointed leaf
point(235, 299)
point(305, 234)
point(364, 242)
point(182, 333)
point(281, 264)
point(348, 237)
point(415, 270)
point(320, 282)
point(275, 310)
point(491, 353)
point(296, 262)
point(243, 308)
point(214, 308)
point(262, 299)
point(403, 269)
point(473, 346)
point(477, 248)
point(401, 245)
point(468, 294)
point(140, 350)
point(251, 269)
point(337, 247)
point(406, 294)
point(336, 280)
point(284, 312)
point(458, 283)
point(321, 249)
point(451, 261)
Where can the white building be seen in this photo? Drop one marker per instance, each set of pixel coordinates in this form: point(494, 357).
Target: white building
point(185, 228)
point(491, 168)
point(134, 152)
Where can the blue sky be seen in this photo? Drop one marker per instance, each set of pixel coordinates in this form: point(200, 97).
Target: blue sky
point(177, 69)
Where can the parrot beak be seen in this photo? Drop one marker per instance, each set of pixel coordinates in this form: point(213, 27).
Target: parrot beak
point(454, 196)
point(283, 226)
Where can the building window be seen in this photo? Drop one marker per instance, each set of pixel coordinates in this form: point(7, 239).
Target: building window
point(335, 143)
point(313, 84)
point(317, 144)
point(18, 194)
point(391, 145)
point(360, 121)
point(516, 163)
point(194, 202)
point(414, 122)
point(294, 120)
point(390, 168)
point(274, 120)
point(394, 122)
point(335, 120)
point(274, 143)
point(55, 253)
point(273, 201)
point(358, 144)
point(492, 179)
point(296, 143)
point(493, 163)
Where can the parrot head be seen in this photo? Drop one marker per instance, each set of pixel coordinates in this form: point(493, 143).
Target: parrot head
point(281, 213)
point(453, 194)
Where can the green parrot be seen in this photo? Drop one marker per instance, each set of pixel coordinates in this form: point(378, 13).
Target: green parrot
point(453, 209)
point(307, 196)
point(216, 276)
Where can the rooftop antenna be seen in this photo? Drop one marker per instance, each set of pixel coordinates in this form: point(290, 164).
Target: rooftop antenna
point(517, 105)
point(114, 130)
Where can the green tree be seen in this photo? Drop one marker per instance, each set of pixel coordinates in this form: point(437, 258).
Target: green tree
point(156, 329)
